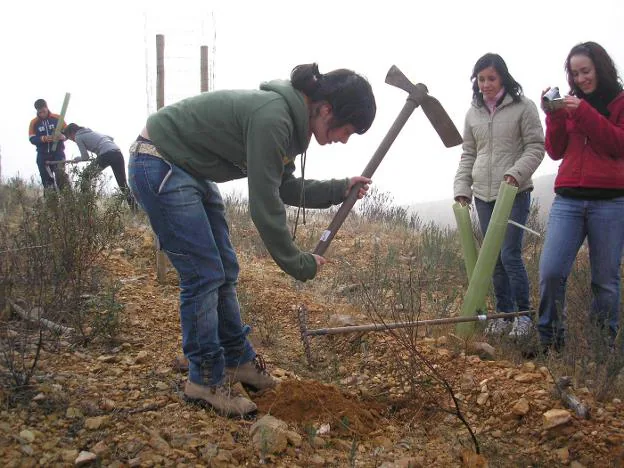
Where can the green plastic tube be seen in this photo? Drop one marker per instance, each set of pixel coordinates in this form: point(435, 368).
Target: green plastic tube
point(481, 277)
point(467, 240)
point(59, 126)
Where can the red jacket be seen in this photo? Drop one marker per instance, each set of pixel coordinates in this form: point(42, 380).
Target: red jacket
point(590, 144)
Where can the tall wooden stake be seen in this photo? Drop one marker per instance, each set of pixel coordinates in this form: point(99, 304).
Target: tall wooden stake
point(161, 258)
point(204, 80)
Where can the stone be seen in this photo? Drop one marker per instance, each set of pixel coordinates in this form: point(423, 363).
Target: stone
point(95, 423)
point(141, 357)
point(556, 417)
point(85, 458)
point(563, 454)
point(482, 398)
point(100, 449)
point(482, 349)
point(521, 407)
point(27, 436)
point(527, 377)
point(269, 435)
point(293, 438)
point(73, 413)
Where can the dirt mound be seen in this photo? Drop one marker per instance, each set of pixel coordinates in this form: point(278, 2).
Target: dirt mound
point(307, 402)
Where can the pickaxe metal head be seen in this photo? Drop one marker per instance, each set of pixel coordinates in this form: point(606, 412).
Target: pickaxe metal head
point(418, 96)
point(432, 108)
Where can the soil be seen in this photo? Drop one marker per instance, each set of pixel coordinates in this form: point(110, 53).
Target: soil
point(122, 402)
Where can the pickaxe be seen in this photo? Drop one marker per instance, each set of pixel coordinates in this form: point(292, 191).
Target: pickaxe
point(306, 334)
point(442, 123)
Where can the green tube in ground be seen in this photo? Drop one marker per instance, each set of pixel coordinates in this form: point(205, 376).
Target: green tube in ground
point(481, 277)
point(467, 240)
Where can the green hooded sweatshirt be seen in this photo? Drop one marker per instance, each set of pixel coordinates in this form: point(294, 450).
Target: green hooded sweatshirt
point(226, 135)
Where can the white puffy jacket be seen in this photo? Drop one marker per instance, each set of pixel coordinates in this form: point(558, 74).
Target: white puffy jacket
point(510, 141)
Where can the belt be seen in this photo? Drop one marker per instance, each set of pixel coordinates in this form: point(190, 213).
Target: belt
point(145, 147)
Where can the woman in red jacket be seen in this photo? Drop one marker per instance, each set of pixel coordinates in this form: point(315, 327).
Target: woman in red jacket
point(587, 135)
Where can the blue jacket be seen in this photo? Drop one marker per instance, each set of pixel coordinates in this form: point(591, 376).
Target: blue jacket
point(42, 127)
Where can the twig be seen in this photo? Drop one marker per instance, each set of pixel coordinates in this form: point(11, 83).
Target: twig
point(45, 322)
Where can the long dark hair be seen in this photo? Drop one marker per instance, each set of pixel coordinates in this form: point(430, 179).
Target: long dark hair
point(609, 84)
point(512, 87)
point(350, 95)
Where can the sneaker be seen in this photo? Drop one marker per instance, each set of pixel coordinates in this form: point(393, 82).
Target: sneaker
point(251, 374)
point(222, 398)
point(497, 327)
point(521, 327)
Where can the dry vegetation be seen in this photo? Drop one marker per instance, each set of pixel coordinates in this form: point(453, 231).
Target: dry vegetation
point(415, 396)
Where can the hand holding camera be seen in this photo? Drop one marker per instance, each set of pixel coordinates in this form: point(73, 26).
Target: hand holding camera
point(552, 100)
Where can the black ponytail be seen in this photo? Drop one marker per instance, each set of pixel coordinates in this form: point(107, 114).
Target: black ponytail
point(349, 94)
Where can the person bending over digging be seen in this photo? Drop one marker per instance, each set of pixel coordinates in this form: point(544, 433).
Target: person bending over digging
point(107, 154)
point(175, 164)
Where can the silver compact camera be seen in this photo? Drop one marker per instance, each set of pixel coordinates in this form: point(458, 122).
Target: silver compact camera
point(552, 100)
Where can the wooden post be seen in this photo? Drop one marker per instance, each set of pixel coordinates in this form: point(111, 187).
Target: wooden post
point(204, 80)
point(161, 258)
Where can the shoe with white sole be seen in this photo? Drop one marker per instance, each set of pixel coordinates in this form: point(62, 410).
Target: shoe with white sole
point(497, 327)
point(521, 327)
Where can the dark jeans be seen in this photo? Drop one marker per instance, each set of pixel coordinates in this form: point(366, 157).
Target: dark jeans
point(115, 160)
point(188, 216)
point(571, 221)
point(511, 282)
point(54, 174)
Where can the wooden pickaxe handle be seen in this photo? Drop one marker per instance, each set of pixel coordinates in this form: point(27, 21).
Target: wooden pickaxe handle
point(437, 116)
point(369, 170)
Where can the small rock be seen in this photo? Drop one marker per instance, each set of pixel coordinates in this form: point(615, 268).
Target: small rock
point(39, 397)
point(269, 435)
point(141, 357)
point(95, 422)
point(162, 386)
point(293, 438)
point(528, 366)
point(84, 458)
point(527, 377)
point(616, 401)
point(106, 405)
point(521, 407)
point(556, 417)
point(563, 454)
point(441, 341)
point(27, 436)
point(482, 398)
point(100, 449)
point(73, 413)
point(483, 350)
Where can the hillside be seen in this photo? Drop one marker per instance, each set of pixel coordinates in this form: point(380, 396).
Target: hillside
point(363, 399)
point(441, 211)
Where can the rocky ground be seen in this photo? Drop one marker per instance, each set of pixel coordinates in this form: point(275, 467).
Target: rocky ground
point(120, 405)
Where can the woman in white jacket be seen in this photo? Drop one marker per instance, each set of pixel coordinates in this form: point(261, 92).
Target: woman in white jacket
point(503, 141)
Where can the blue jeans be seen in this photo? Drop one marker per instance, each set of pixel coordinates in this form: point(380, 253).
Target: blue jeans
point(571, 221)
point(188, 216)
point(511, 282)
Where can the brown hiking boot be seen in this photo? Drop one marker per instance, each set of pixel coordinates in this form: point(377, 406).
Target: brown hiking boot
point(222, 398)
point(251, 374)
